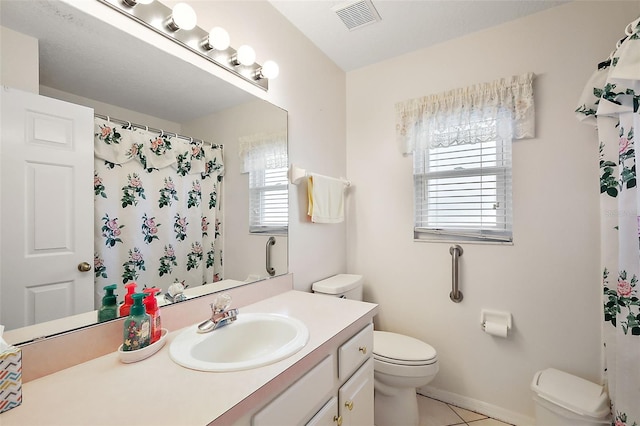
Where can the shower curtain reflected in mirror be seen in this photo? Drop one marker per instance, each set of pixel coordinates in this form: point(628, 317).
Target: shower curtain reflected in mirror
point(158, 218)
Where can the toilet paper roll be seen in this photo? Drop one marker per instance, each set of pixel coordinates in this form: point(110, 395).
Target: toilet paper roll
point(495, 329)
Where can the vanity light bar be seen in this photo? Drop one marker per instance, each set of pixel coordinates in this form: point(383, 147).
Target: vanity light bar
point(156, 17)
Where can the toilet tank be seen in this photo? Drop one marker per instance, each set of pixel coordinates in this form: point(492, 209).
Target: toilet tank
point(345, 286)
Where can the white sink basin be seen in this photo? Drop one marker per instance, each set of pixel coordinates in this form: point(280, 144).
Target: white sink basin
point(253, 340)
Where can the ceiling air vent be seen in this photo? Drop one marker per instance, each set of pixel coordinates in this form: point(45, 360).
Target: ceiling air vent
point(357, 14)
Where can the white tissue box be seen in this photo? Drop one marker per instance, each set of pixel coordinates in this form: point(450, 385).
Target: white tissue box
point(10, 378)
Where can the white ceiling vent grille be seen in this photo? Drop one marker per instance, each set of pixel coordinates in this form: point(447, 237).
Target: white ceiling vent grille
point(357, 14)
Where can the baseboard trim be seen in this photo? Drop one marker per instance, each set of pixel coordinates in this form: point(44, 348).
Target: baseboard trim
point(477, 406)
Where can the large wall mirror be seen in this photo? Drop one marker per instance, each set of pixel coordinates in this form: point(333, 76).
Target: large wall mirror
point(85, 61)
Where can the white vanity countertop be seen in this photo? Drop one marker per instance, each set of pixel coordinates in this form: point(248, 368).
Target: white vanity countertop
point(157, 391)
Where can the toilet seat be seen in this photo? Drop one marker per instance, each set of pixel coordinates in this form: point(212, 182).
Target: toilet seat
point(399, 349)
point(403, 356)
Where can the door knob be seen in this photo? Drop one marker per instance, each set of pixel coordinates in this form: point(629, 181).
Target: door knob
point(84, 267)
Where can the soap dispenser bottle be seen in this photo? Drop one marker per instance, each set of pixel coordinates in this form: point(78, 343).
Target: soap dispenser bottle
point(128, 301)
point(109, 308)
point(137, 326)
point(151, 305)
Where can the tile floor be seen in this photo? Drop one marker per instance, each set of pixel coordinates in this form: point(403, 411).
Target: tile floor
point(436, 413)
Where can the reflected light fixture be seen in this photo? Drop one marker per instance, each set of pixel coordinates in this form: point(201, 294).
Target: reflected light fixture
point(182, 17)
point(217, 39)
point(179, 24)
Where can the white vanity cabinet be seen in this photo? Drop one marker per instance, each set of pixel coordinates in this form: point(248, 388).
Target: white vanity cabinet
point(327, 416)
point(354, 405)
point(292, 406)
point(354, 352)
point(332, 368)
point(355, 398)
point(338, 391)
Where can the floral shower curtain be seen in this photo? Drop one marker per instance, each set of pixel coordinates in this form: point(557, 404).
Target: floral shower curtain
point(157, 209)
point(611, 102)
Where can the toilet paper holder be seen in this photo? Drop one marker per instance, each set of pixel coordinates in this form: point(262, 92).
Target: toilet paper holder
point(496, 317)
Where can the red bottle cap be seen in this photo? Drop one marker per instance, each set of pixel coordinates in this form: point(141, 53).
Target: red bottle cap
point(150, 301)
point(128, 301)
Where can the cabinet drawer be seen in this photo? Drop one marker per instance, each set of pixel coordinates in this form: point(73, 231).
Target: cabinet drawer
point(354, 352)
point(327, 416)
point(301, 400)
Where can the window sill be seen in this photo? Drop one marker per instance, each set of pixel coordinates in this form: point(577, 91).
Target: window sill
point(269, 231)
point(460, 240)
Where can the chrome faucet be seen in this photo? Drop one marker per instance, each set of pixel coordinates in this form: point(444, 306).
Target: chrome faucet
point(175, 293)
point(221, 315)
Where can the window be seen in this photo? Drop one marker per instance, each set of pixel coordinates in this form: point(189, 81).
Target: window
point(264, 157)
point(461, 146)
point(268, 201)
point(464, 190)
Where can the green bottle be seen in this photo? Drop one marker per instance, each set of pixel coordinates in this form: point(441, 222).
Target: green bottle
point(109, 308)
point(137, 326)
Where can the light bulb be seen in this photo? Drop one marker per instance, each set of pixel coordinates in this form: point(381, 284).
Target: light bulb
point(217, 39)
point(246, 55)
point(182, 17)
point(145, 1)
point(270, 70)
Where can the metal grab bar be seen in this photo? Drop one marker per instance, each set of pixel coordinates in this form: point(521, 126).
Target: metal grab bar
point(271, 241)
point(456, 294)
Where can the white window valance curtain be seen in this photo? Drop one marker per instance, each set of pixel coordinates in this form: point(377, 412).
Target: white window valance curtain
point(467, 115)
point(264, 151)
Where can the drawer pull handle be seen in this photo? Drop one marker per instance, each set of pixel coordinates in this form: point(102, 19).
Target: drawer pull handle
point(349, 405)
point(363, 349)
point(338, 420)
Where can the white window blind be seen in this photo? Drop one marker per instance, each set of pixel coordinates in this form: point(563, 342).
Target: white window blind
point(464, 190)
point(268, 201)
point(461, 143)
point(264, 157)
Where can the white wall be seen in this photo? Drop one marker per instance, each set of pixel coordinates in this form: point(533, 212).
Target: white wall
point(113, 110)
point(19, 61)
point(549, 278)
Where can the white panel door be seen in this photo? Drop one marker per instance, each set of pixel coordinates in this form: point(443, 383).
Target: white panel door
point(46, 215)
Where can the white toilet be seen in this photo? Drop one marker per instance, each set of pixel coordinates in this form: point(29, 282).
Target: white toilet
point(401, 363)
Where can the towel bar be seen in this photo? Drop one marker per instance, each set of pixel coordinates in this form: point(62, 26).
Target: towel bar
point(297, 174)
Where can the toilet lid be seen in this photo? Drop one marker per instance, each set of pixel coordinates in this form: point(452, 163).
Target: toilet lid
point(401, 349)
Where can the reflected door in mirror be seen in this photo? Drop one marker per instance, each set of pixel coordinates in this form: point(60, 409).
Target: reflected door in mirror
point(47, 209)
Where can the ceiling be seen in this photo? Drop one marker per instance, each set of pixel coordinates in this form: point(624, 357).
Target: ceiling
point(405, 25)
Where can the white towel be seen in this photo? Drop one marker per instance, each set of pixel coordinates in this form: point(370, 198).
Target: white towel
point(326, 199)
